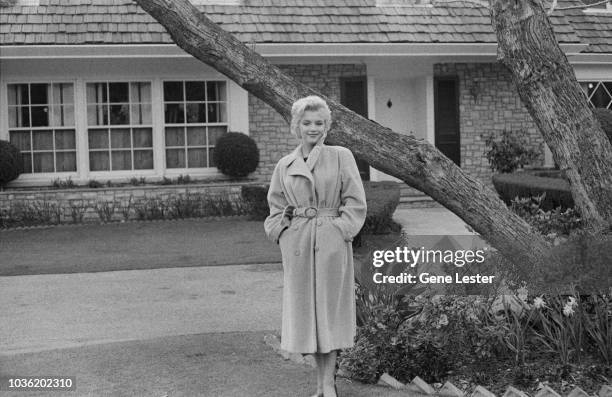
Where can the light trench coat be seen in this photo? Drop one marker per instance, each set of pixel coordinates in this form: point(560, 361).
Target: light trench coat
point(319, 286)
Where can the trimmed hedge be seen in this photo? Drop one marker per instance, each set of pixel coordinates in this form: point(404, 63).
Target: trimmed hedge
point(523, 184)
point(256, 200)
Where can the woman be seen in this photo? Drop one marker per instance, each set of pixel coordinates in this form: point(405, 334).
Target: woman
point(317, 205)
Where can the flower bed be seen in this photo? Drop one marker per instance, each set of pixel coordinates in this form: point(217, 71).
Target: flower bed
point(124, 203)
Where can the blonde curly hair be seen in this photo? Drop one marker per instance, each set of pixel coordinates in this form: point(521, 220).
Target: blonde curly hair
point(311, 103)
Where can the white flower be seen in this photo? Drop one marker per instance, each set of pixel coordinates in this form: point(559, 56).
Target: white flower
point(443, 320)
point(572, 302)
point(522, 293)
point(568, 310)
point(538, 302)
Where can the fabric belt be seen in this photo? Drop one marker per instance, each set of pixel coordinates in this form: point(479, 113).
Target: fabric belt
point(313, 212)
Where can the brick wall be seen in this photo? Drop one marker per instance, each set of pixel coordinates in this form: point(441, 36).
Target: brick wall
point(488, 104)
point(271, 132)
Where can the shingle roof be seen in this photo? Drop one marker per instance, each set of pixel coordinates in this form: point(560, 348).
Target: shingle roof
point(275, 21)
point(593, 29)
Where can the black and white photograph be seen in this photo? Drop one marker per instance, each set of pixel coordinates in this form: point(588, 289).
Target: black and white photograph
point(317, 198)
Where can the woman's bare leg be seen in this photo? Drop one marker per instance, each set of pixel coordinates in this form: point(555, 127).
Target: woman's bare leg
point(320, 365)
point(326, 368)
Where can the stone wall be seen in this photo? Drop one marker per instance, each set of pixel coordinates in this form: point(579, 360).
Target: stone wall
point(488, 104)
point(62, 202)
point(271, 132)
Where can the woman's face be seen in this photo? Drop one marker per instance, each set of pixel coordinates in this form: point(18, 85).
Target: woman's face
point(312, 127)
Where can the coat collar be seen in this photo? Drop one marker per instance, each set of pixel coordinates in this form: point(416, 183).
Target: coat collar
point(297, 166)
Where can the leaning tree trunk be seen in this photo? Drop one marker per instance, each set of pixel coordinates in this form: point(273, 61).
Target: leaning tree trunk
point(547, 85)
point(416, 162)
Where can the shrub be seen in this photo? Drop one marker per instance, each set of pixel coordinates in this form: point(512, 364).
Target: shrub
point(382, 198)
point(510, 152)
point(236, 154)
point(256, 201)
point(94, 184)
point(605, 119)
point(510, 186)
point(553, 221)
point(10, 163)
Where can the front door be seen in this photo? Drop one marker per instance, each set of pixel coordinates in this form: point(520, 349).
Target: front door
point(446, 111)
point(354, 95)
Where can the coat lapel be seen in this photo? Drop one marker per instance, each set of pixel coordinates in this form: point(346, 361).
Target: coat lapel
point(297, 166)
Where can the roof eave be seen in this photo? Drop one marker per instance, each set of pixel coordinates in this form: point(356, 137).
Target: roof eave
point(268, 50)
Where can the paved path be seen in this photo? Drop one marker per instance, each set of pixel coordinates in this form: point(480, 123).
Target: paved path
point(57, 311)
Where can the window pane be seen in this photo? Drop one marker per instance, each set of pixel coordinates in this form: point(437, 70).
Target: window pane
point(63, 116)
point(42, 140)
point(175, 158)
point(122, 160)
point(175, 136)
point(196, 136)
point(140, 92)
point(96, 93)
point(174, 113)
point(63, 94)
point(141, 114)
point(98, 139)
point(64, 139)
point(211, 153)
point(21, 139)
point(196, 91)
point(97, 115)
point(39, 93)
point(197, 158)
point(214, 133)
point(98, 161)
point(43, 162)
point(40, 116)
point(120, 138)
point(19, 116)
point(143, 159)
point(119, 114)
point(27, 162)
point(216, 91)
point(143, 137)
point(196, 113)
point(18, 94)
point(217, 113)
point(118, 92)
point(66, 161)
point(173, 91)
point(601, 97)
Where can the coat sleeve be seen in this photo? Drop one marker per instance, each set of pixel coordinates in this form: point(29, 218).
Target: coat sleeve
point(352, 197)
point(277, 203)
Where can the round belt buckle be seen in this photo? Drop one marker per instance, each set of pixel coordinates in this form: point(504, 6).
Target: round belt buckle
point(310, 212)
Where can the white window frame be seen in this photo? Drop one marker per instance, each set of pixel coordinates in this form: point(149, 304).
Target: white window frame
point(204, 78)
point(110, 173)
point(238, 120)
point(598, 82)
point(4, 112)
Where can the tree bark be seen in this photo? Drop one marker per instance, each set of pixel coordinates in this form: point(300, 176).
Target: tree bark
point(416, 162)
point(547, 85)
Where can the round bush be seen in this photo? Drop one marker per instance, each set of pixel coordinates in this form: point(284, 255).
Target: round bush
point(10, 162)
point(236, 154)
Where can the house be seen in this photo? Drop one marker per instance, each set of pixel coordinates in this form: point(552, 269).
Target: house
point(97, 89)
